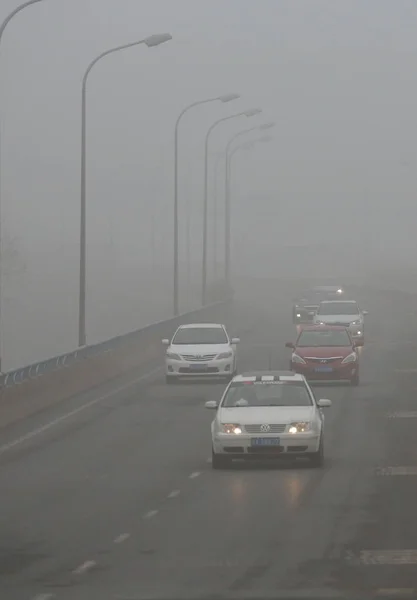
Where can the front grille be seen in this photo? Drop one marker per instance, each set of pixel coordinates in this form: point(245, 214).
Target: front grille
point(265, 450)
point(201, 371)
point(340, 324)
point(199, 357)
point(272, 429)
point(323, 361)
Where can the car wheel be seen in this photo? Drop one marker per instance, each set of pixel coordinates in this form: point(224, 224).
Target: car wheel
point(317, 459)
point(219, 461)
point(355, 380)
point(169, 379)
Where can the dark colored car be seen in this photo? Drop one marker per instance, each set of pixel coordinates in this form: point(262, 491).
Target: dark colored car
point(325, 353)
point(305, 307)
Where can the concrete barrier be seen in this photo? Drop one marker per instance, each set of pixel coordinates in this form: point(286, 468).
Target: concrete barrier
point(138, 349)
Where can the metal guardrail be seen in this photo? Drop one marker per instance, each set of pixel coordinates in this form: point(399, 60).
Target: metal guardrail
point(35, 370)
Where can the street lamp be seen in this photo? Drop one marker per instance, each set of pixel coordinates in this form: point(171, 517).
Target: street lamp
point(227, 229)
point(151, 41)
point(246, 113)
point(262, 127)
point(3, 26)
point(225, 98)
point(220, 156)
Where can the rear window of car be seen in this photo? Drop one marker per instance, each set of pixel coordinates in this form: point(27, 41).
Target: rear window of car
point(338, 308)
point(271, 393)
point(323, 338)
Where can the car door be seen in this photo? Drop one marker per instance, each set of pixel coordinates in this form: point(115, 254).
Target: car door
point(319, 412)
point(233, 348)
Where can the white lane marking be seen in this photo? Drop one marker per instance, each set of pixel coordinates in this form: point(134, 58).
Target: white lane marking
point(121, 538)
point(194, 475)
point(174, 494)
point(150, 514)
point(43, 597)
point(74, 412)
point(396, 592)
point(388, 557)
point(406, 414)
point(86, 566)
point(396, 470)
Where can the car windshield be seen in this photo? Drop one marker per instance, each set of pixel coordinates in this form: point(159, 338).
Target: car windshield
point(325, 337)
point(200, 335)
point(318, 295)
point(338, 308)
point(274, 393)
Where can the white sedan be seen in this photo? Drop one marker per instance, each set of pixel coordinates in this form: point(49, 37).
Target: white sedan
point(269, 414)
point(200, 350)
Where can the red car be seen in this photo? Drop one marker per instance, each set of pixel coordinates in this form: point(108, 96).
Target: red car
point(326, 353)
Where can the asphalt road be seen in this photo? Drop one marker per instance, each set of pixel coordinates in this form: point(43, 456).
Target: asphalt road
point(112, 497)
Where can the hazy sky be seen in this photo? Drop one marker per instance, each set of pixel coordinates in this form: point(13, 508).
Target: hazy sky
point(339, 78)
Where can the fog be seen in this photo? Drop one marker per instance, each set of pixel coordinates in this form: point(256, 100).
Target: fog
point(337, 78)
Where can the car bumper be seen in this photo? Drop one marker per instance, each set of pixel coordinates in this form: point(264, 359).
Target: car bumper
point(338, 373)
point(212, 368)
point(356, 331)
point(241, 446)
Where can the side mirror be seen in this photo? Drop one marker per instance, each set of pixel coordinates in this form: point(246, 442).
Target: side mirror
point(365, 312)
point(289, 345)
point(235, 340)
point(324, 403)
point(357, 343)
point(213, 404)
point(165, 342)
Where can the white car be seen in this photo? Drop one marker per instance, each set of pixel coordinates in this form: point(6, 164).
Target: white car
point(200, 350)
point(269, 414)
point(342, 312)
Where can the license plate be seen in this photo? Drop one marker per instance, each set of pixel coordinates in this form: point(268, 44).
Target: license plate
point(198, 367)
point(265, 441)
point(323, 369)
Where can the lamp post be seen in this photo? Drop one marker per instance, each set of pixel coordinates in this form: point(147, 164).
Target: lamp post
point(227, 229)
point(153, 40)
point(246, 113)
point(219, 158)
point(225, 98)
point(3, 26)
point(262, 127)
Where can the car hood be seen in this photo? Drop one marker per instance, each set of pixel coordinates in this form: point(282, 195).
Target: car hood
point(257, 415)
point(324, 351)
point(197, 349)
point(337, 318)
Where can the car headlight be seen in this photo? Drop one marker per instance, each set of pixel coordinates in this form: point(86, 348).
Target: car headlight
point(355, 323)
point(297, 359)
point(298, 315)
point(319, 322)
point(231, 428)
point(299, 427)
point(225, 355)
point(350, 358)
point(173, 356)
point(340, 291)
